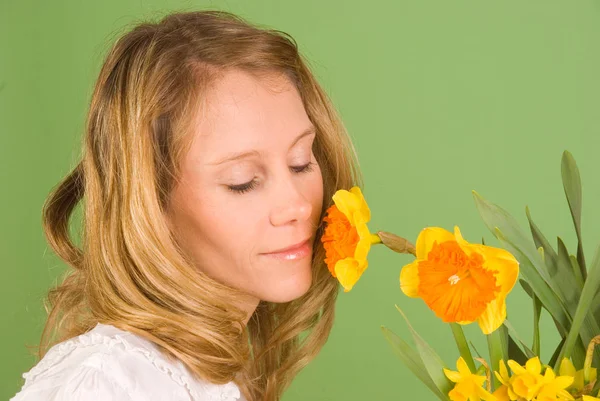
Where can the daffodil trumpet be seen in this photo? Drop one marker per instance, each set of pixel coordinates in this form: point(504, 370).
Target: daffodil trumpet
point(346, 238)
point(459, 281)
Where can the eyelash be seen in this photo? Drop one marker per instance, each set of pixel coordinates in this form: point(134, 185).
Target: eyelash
point(242, 188)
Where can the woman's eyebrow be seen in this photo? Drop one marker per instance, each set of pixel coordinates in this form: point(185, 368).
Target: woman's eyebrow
point(243, 155)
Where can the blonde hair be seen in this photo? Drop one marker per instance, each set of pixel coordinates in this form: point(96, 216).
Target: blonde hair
point(129, 271)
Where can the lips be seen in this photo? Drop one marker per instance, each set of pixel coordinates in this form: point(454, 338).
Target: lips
point(290, 248)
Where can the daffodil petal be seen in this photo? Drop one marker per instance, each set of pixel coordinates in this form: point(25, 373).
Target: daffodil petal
point(348, 271)
point(503, 372)
point(467, 247)
point(364, 207)
point(462, 366)
point(500, 378)
point(549, 374)
point(348, 202)
point(452, 375)
point(459, 393)
point(428, 236)
point(578, 383)
point(564, 395)
point(485, 395)
point(563, 381)
point(566, 368)
point(490, 251)
point(501, 394)
point(507, 271)
point(479, 380)
point(498, 260)
point(409, 279)
point(493, 316)
point(516, 368)
point(497, 253)
point(364, 244)
point(534, 366)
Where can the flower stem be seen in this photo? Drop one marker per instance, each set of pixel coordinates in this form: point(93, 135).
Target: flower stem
point(497, 345)
point(589, 356)
point(375, 239)
point(463, 347)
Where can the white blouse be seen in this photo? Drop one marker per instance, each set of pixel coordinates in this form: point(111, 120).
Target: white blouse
point(110, 364)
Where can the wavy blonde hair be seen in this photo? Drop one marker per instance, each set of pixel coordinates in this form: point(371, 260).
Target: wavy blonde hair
point(129, 270)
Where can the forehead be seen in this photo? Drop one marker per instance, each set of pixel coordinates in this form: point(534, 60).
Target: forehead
point(243, 110)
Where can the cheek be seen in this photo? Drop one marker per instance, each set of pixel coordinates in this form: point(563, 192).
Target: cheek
point(233, 228)
point(316, 193)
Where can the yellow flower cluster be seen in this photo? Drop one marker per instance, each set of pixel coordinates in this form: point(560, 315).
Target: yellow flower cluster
point(532, 382)
point(528, 383)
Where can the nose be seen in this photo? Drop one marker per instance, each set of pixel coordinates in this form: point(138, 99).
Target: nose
point(290, 204)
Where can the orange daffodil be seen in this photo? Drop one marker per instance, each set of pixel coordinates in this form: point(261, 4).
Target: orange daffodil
point(459, 281)
point(347, 239)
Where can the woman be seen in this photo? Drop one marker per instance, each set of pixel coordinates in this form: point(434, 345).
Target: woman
point(210, 156)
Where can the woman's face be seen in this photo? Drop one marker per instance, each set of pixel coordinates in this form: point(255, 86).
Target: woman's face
point(251, 187)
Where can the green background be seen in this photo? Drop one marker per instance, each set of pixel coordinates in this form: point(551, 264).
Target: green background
point(440, 98)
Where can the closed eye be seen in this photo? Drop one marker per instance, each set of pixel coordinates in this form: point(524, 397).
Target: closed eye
point(248, 186)
point(303, 169)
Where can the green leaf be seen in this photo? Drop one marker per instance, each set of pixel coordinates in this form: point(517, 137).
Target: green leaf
point(559, 266)
point(540, 288)
point(576, 270)
point(572, 186)
point(498, 349)
point(596, 388)
point(540, 240)
point(570, 288)
point(496, 218)
point(590, 288)
point(475, 349)
point(461, 343)
point(537, 313)
point(527, 288)
point(561, 330)
point(412, 360)
point(515, 352)
point(572, 293)
point(515, 336)
point(433, 363)
point(554, 359)
point(568, 279)
point(532, 267)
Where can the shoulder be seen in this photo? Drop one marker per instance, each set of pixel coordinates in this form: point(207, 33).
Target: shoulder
point(111, 364)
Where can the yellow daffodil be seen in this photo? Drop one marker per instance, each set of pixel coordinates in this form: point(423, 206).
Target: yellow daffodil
point(504, 392)
point(528, 383)
point(590, 398)
point(568, 369)
point(347, 239)
point(554, 387)
point(459, 281)
point(469, 386)
point(501, 393)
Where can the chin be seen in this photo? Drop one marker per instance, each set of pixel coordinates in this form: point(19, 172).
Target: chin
point(289, 291)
